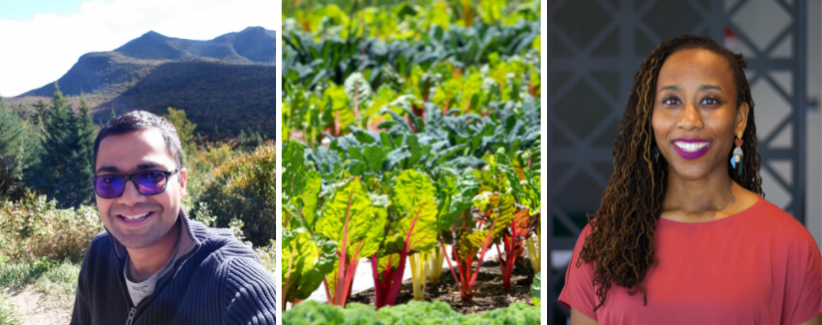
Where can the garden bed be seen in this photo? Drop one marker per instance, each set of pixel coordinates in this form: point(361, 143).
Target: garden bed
point(490, 293)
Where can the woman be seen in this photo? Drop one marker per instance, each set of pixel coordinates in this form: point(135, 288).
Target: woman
point(683, 221)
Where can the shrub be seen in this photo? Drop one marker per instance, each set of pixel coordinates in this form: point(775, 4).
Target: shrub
point(33, 228)
point(243, 188)
point(268, 255)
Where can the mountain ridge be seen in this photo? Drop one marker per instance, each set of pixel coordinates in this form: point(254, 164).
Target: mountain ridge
point(227, 82)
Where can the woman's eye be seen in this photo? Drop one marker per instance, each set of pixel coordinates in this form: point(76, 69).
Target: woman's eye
point(670, 101)
point(710, 101)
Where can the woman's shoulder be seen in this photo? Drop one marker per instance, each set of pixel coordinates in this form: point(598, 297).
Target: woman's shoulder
point(770, 219)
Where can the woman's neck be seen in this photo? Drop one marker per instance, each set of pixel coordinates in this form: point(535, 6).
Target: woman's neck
point(712, 197)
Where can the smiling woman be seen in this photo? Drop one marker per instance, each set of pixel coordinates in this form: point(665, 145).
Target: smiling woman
point(694, 234)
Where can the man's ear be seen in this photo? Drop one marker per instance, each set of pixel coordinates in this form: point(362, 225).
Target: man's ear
point(183, 180)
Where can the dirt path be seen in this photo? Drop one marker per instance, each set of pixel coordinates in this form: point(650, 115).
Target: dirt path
point(35, 308)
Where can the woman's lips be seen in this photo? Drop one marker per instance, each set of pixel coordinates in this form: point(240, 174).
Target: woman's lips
point(691, 148)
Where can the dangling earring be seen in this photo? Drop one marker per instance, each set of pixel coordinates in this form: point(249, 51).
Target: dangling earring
point(656, 154)
point(737, 159)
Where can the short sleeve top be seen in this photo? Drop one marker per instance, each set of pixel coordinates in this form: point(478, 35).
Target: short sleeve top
point(759, 266)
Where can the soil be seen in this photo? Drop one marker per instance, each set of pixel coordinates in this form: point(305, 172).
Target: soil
point(34, 307)
point(488, 294)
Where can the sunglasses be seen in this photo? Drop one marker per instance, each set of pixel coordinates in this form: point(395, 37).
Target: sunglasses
point(149, 182)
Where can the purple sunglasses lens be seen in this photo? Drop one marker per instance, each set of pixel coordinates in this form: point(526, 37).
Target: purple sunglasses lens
point(151, 182)
point(109, 186)
point(148, 183)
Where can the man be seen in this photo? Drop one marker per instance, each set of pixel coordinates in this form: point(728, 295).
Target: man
point(153, 265)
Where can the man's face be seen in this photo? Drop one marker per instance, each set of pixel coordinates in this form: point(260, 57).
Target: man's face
point(126, 154)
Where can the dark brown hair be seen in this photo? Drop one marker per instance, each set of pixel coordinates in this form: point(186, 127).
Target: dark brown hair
point(622, 238)
point(141, 120)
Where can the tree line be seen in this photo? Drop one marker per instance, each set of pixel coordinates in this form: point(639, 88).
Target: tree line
point(49, 152)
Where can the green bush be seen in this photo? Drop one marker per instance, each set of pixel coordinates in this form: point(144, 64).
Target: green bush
point(268, 256)
point(413, 313)
point(243, 189)
point(33, 228)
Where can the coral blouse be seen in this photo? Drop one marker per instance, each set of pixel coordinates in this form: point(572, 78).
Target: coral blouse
point(759, 266)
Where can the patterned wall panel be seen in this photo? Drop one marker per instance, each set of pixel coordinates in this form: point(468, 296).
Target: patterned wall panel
point(594, 49)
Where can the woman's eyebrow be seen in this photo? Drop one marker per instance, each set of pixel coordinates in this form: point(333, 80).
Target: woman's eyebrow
point(707, 87)
point(702, 87)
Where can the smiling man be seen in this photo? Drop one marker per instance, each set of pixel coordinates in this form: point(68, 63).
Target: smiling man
point(153, 265)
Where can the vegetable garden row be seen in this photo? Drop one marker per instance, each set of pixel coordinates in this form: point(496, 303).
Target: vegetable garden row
point(415, 150)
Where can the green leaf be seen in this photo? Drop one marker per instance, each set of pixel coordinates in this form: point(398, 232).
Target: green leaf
point(305, 262)
point(366, 160)
point(536, 288)
point(414, 201)
point(504, 166)
point(356, 86)
point(350, 219)
point(446, 191)
point(467, 187)
point(307, 200)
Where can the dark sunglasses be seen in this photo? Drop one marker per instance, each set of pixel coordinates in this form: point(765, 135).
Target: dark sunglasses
point(148, 182)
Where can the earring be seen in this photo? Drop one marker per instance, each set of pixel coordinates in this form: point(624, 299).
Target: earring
point(737, 159)
point(656, 154)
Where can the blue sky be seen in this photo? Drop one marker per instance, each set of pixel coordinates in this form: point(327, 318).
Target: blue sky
point(42, 39)
point(20, 10)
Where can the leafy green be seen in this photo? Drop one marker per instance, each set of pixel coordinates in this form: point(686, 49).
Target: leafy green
point(536, 288)
point(305, 262)
point(350, 219)
point(412, 313)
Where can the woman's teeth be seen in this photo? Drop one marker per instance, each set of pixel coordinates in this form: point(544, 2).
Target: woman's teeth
point(690, 147)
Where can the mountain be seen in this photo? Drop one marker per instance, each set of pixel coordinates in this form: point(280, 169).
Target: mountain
point(228, 82)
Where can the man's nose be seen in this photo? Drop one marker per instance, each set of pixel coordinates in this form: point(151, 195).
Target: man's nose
point(131, 195)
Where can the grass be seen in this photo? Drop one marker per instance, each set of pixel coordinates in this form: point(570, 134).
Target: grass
point(59, 279)
point(47, 275)
point(7, 314)
point(22, 273)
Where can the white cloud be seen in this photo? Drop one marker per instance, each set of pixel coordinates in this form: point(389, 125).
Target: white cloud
point(39, 51)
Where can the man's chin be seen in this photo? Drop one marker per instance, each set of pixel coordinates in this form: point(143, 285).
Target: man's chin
point(135, 241)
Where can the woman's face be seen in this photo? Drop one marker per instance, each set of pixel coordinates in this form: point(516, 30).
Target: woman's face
point(695, 116)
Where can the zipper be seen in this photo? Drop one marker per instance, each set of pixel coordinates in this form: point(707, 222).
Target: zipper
point(131, 315)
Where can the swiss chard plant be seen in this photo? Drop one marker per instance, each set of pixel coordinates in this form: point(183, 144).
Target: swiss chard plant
point(411, 230)
point(349, 218)
point(307, 257)
point(473, 234)
point(514, 179)
point(305, 262)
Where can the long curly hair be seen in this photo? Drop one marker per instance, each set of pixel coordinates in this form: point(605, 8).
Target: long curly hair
point(622, 238)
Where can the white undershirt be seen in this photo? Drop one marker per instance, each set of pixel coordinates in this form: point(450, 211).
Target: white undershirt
point(141, 290)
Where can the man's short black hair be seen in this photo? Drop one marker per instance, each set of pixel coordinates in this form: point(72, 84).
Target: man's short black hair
point(141, 120)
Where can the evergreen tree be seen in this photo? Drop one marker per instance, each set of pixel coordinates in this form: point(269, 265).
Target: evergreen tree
point(66, 164)
point(84, 155)
point(11, 153)
point(41, 111)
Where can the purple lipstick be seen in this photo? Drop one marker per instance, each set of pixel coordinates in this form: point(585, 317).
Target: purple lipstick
point(691, 148)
